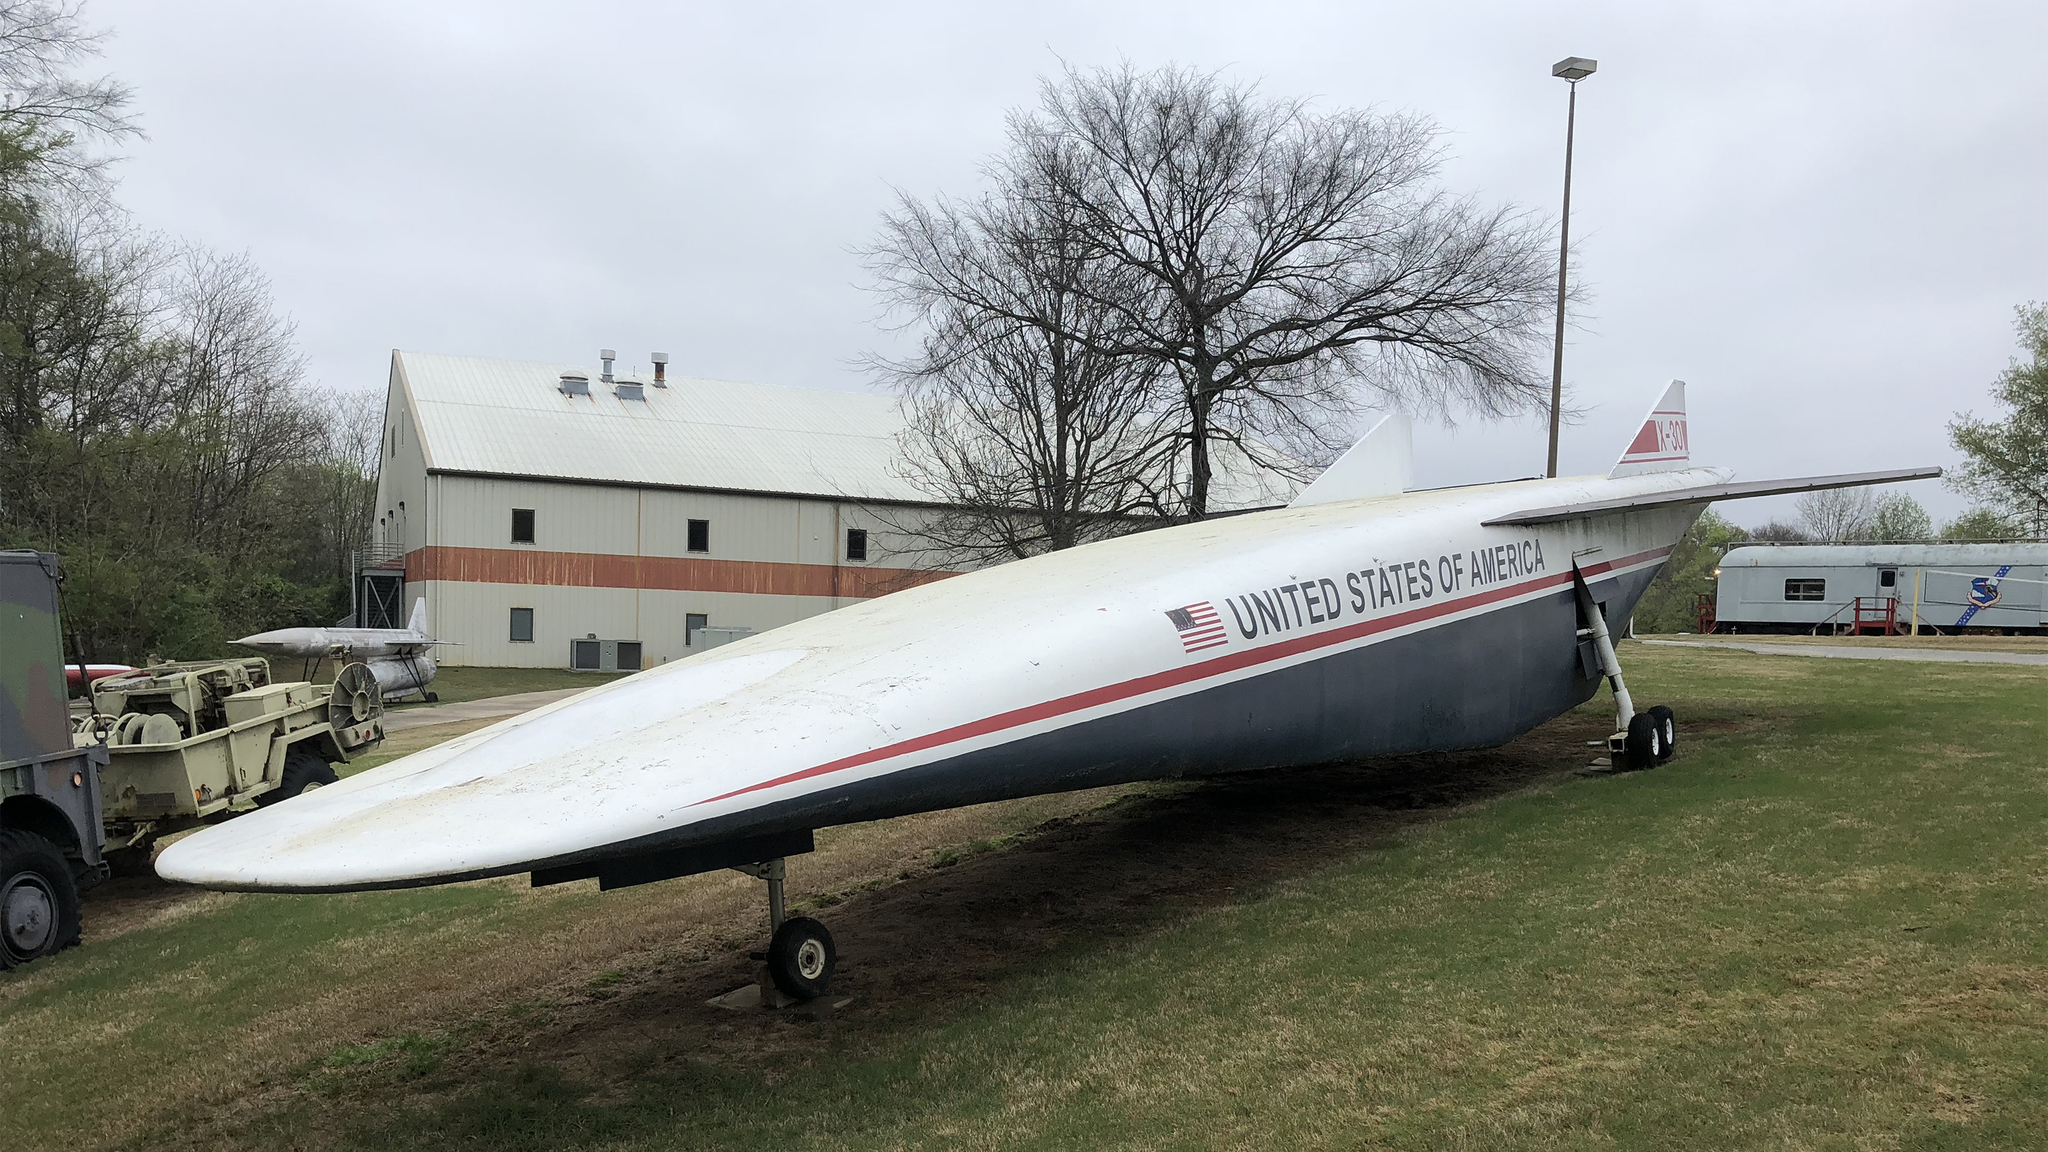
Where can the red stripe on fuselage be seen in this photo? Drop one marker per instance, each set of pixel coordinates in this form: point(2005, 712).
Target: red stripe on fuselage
point(1173, 677)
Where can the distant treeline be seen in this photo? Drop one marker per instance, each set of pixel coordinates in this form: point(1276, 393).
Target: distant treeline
point(155, 428)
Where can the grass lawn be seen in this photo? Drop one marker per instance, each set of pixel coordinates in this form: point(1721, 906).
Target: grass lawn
point(2023, 644)
point(455, 685)
point(1823, 926)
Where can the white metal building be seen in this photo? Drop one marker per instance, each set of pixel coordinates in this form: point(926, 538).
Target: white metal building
point(536, 504)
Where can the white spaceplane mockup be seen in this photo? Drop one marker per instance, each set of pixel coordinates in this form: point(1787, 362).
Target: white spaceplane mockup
point(1361, 620)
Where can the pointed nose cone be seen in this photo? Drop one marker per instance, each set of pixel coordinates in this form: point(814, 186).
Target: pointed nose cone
point(276, 643)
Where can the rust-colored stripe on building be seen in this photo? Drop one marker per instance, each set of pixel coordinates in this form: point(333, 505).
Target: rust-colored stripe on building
point(667, 573)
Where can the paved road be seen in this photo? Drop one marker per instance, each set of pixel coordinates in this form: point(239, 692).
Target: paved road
point(474, 709)
point(1946, 655)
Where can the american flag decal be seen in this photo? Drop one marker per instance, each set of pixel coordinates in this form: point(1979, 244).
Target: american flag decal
point(1199, 626)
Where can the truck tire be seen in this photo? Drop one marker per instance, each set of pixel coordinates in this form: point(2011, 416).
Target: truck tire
point(39, 911)
point(302, 770)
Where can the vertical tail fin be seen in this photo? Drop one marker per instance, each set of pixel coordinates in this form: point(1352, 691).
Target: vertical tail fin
point(1380, 464)
point(1660, 444)
point(418, 623)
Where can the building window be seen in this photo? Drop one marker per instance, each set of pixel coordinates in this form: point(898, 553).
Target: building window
point(700, 535)
point(691, 623)
point(856, 543)
point(1806, 589)
point(522, 525)
point(522, 625)
point(629, 655)
point(1888, 578)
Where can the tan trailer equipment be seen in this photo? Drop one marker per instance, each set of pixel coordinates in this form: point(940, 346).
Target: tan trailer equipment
point(198, 740)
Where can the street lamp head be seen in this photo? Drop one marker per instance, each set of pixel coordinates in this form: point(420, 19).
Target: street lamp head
point(1574, 68)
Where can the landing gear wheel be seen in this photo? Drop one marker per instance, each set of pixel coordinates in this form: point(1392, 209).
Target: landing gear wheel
point(38, 899)
point(1645, 744)
point(432, 697)
point(1667, 730)
point(800, 958)
point(303, 772)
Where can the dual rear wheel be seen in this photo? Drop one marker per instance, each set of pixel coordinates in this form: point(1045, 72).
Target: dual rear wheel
point(1652, 737)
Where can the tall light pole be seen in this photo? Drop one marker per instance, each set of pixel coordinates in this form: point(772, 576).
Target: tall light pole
point(1572, 69)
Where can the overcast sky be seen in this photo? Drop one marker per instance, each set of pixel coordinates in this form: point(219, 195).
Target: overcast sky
point(1819, 216)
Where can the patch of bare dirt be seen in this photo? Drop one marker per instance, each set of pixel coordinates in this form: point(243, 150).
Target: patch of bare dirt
point(926, 945)
point(124, 903)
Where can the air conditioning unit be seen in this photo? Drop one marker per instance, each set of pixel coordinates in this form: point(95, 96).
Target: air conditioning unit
point(595, 655)
point(702, 638)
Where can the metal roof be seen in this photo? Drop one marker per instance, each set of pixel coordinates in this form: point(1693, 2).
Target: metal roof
point(510, 418)
point(1881, 555)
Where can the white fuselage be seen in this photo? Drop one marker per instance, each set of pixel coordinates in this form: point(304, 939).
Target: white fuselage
point(1349, 628)
point(357, 643)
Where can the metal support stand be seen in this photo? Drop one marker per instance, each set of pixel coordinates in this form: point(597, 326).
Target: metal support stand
point(774, 873)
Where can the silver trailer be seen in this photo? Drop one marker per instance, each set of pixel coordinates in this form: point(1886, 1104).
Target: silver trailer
point(1788, 588)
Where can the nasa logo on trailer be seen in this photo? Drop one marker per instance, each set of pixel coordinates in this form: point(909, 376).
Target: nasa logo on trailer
point(1984, 591)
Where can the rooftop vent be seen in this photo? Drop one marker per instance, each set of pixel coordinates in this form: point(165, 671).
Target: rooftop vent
point(630, 389)
point(607, 355)
point(660, 368)
point(575, 383)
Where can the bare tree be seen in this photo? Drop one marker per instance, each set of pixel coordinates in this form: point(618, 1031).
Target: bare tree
point(1779, 532)
point(153, 424)
point(240, 410)
point(344, 483)
point(1031, 436)
point(1838, 514)
point(1287, 260)
point(46, 112)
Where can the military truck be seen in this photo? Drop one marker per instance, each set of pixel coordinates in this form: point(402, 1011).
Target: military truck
point(50, 830)
point(195, 741)
point(163, 748)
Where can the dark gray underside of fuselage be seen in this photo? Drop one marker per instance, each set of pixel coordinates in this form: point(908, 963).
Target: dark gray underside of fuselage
point(1475, 682)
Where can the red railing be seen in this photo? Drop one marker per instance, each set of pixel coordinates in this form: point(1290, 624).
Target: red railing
point(1879, 614)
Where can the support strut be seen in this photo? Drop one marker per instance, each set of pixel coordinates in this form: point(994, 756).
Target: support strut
point(1603, 646)
point(774, 873)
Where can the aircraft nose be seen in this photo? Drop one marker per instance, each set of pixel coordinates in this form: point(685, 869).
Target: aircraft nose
point(263, 641)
